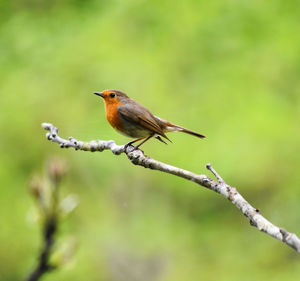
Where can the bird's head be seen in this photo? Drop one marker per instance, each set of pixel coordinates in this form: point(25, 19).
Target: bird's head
point(112, 96)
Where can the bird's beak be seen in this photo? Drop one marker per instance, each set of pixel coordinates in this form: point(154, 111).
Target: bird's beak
point(99, 94)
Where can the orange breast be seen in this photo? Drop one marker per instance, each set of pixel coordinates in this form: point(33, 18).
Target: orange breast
point(112, 115)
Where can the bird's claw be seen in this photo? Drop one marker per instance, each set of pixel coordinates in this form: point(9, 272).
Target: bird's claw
point(134, 148)
point(127, 145)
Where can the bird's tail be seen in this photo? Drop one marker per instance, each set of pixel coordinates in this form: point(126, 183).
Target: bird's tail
point(170, 127)
point(190, 132)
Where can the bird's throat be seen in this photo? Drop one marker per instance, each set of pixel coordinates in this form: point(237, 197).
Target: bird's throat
point(112, 115)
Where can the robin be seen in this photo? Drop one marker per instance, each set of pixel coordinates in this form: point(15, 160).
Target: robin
point(134, 120)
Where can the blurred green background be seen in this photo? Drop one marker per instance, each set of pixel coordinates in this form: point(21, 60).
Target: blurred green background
point(227, 69)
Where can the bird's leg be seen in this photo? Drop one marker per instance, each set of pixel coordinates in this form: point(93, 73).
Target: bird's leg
point(137, 146)
point(131, 142)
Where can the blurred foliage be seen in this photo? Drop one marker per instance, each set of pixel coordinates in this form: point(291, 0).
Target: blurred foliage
point(228, 69)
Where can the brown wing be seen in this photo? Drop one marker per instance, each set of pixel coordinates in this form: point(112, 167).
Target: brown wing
point(140, 116)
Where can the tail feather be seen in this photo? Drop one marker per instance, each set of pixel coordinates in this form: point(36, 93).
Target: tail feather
point(192, 133)
point(167, 126)
point(160, 139)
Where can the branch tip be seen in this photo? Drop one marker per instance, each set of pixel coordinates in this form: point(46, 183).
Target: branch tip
point(46, 126)
point(210, 168)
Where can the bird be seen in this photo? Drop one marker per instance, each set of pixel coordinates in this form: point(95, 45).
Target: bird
point(134, 120)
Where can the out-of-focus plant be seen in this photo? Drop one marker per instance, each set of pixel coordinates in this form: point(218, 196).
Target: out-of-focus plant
point(45, 191)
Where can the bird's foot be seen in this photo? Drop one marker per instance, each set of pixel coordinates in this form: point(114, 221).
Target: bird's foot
point(132, 148)
point(128, 144)
point(137, 148)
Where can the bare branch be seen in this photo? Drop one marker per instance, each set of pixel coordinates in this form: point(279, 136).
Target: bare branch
point(137, 157)
point(45, 191)
point(43, 265)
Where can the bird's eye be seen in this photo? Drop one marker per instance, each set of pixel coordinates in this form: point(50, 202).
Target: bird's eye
point(112, 95)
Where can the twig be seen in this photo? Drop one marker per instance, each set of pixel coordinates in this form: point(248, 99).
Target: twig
point(137, 157)
point(43, 265)
point(209, 167)
point(45, 191)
